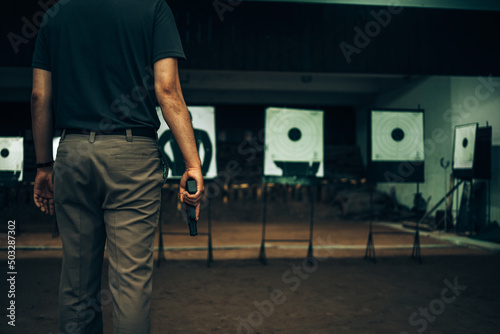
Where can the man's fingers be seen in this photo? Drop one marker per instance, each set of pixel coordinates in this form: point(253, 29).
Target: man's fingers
point(191, 199)
point(38, 202)
point(197, 196)
point(181, 197)
point(46, 205)
point(50, 207)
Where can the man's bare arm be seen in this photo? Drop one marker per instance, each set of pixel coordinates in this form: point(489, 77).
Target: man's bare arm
point(41, 114)
point(174, 110)
point(168, 92)
point(42, 118)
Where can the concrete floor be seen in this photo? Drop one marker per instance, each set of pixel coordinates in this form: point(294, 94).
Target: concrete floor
point(341, 293)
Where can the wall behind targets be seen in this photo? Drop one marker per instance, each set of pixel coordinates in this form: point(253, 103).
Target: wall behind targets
point(477, 99)
point(448, 101)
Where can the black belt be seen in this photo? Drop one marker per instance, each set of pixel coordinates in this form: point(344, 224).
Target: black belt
point(143, 132)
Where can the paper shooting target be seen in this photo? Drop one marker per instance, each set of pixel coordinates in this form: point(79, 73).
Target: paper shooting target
point(397, 136)
point(293, 136)
point(464, 148)
point(203, 119)
point(12, 155)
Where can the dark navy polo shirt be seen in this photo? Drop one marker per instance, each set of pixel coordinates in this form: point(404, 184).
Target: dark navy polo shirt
point(101, 54)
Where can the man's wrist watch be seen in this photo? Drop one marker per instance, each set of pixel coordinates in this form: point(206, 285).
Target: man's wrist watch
point(44, 164)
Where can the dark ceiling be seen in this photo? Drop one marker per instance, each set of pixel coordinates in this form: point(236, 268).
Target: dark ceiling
point(300, 37)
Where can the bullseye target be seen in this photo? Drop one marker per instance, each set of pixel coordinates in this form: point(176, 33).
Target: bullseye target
point(397, 136)
point(464, 148)
point(293, 136)
point(12, 156)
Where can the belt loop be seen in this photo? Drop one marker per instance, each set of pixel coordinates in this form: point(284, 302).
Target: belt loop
point(63, 134)
point(92, 137)
point(129, 135)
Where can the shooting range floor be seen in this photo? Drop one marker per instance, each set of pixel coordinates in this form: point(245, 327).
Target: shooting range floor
point(340, 293)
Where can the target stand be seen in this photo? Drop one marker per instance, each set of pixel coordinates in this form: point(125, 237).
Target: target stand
point(293, 155)
point(370, 246)
point(303, 181)
point(415, 254)
point(161, 249)
point(395, 155)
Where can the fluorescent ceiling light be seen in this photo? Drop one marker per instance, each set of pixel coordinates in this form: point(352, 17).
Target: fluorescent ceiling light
point(491, 5)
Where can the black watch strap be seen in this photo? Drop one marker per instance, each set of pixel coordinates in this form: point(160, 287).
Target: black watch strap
point(45, 164)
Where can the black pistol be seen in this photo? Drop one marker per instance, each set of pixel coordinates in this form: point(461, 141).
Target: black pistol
point(191, 210)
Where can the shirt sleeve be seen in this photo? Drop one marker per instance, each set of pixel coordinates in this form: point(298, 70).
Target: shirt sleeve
point(41, 56)
point(166, 40)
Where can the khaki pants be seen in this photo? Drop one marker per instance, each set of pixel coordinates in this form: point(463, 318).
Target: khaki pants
point(107, 187)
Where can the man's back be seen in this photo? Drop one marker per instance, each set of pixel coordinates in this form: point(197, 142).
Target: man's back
point(101, 55)
point(93, 70)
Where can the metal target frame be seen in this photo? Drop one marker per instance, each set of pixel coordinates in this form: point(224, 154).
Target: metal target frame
point(389, 167)
point(311, 180)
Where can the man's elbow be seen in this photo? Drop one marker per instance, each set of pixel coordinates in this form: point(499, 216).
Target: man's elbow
point(40, 102)
point(165, 90)
point(38, 96)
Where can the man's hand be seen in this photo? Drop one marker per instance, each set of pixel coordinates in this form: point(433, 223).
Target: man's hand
point(43, 192)
point(42, 119)
point(194, 199)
